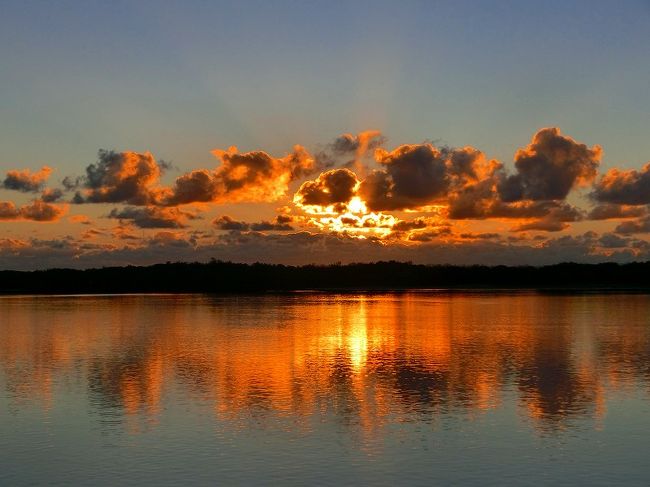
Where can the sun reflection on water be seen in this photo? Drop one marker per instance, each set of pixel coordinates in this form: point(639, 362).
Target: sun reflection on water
point(370, 361)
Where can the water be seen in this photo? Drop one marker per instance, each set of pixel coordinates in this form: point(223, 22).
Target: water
point(316, 389)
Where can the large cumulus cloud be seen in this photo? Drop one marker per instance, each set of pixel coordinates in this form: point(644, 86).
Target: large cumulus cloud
point(120, 177)
point(550, 167)
point(251, 176)
point(418, 175)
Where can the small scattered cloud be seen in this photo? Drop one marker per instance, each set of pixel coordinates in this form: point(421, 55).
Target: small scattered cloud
point(26, 181)
point(37, 211)
point(630, 187)
point(279, 224)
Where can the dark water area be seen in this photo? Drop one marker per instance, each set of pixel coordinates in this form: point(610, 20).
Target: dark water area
point(327, 389)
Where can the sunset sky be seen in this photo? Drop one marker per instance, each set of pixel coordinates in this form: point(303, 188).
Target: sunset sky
point(435, 132)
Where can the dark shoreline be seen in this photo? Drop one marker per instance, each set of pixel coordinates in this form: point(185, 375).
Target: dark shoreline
point(381, 277)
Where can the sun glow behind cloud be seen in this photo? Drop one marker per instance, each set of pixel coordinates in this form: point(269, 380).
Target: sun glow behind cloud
point(551, 202)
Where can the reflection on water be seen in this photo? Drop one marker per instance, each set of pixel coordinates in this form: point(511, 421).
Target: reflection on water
point(356, 380)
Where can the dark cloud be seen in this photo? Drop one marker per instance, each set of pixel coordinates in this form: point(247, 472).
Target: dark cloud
point(279, 224)
point(429, 235)
point(348, 150)
point(419, 175)
point(641, 225)
point(166, 166)
point(543, 225)
point(252, 176)
point(408, 225)
point(555, 219)
point(365, 141)
point(152, 217)
point(305, 248)
point(26, 181)
point(613, 241)
point(329, 188)
point(549, 168)
point(609, 211)
point(51, 195)
point(480, 236)
point(71, 183)
point(630, 187)
point(120, 177)
point(481, 201)
point(226, 222)
point(273, 226)
point(200, 185)
point(414, 176)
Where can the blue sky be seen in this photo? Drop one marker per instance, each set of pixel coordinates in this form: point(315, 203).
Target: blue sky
point(181, 78)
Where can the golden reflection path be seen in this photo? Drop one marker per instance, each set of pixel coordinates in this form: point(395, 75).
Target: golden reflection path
point(368, 360)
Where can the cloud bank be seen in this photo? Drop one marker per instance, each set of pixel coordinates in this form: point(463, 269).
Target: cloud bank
point(352, 199)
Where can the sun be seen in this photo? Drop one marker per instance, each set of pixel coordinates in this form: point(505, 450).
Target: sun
point(357, 206)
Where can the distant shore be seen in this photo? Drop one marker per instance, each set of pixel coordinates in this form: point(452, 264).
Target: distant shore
point(227, 277)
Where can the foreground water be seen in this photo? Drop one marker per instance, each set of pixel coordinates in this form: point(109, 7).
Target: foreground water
point(415, 388)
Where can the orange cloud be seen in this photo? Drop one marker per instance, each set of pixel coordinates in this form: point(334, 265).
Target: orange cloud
point(37, 211)
point(251, 176)
point(629, 187)
point(120, 177)
point(83, 219)
point(26, 181)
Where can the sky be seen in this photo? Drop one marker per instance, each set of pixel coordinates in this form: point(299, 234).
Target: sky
point(488, 132)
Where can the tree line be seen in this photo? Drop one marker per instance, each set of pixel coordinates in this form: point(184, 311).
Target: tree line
point(228, 277)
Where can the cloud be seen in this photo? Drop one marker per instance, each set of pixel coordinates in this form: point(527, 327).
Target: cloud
point(543, 225)
point(83, 219)
point(418, 175)
point(360, 143)
point(349, 151)
point(120, 177)
point(37, 211)
point(92, 233)
point(641, 225)
point(153, 217)
point(305, 248)
point(614, 212)
point(550, 167)
point(329, 188)
point(51, 195)
point(619, 187)
point(226, 222)
point(480, 236)
point(612, 241)
point(279, 224)
point(481, 201)
point(414, 175)
point(274, 226)
point(412, 196)
point(26, 181)
point(251, 176)
point(407, 225)
point(555, 219)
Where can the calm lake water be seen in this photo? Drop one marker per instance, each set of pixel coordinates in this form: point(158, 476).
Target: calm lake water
point(304, 389)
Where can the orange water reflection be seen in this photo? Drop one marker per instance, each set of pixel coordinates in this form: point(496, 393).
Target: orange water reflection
point(365, 360)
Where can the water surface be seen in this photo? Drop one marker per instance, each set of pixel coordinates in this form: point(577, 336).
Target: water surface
point(307, 388)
